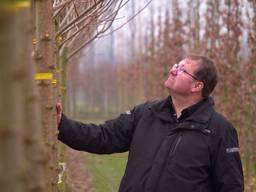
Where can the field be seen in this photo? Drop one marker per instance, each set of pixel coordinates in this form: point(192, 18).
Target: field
point(106, 171)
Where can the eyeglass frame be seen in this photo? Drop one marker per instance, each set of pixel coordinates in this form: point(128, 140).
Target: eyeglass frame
point(177, 67)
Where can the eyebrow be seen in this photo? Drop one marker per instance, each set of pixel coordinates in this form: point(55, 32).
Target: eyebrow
point(189, 73)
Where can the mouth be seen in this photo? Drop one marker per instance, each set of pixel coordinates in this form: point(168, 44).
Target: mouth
point(171, 78)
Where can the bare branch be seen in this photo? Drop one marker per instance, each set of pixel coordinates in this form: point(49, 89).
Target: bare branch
point(81, 47)
point(75, 9)
point(83, 21)
point(61, 5)
point(147, 4)
point(76, 19)
point(103, 30)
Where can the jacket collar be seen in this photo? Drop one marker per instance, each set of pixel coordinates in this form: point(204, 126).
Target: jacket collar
point(198, 113)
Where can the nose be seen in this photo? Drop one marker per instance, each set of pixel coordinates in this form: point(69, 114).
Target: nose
point(173, 71)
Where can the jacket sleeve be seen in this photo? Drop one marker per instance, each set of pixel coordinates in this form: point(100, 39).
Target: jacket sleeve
point(112, 136)
point(226, 163)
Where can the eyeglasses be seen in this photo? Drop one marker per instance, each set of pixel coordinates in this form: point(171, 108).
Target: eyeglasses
point(180, 68)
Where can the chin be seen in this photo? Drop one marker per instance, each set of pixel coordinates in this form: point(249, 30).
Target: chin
point(167, 84)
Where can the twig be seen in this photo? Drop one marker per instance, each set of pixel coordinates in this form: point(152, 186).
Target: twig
point(61, 5)
point(127, 20)
point(76, 19)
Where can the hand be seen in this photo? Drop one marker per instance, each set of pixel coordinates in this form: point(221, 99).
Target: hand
point(59, 112)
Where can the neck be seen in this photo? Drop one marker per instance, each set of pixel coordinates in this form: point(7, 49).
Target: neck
point(180, 103)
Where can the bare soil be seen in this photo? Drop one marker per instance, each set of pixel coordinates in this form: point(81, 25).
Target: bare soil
point(78, 177)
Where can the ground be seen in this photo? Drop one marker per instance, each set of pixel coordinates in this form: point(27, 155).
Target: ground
point(78, 177)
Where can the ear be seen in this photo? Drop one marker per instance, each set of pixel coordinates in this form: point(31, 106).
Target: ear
point(198, 86)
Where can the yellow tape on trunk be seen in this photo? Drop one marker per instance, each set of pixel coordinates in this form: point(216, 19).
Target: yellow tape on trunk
point(43, 76)
point(21, 5)
point(17, 6)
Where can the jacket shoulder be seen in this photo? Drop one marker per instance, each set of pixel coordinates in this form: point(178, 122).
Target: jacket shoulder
point(146, 105)
point(138, 110)
point(220, 125)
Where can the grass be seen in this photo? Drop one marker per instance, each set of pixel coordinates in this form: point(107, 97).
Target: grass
point(106, 171)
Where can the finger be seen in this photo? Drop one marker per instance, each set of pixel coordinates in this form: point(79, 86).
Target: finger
point(58, 108)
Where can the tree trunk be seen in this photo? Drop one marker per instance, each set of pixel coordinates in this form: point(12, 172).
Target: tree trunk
point(20, 139)
point(10, 141)
point(31, 128)
point(44, 44)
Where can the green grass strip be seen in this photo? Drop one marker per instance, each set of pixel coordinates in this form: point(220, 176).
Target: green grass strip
point(106, 171)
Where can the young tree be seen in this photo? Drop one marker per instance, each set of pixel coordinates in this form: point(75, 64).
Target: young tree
point(21, 149)
point(44, 60)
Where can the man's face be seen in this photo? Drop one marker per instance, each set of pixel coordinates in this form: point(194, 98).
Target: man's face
point(181, 77)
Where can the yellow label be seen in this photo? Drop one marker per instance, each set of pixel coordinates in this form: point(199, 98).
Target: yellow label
point(24, 4)
point(17, 5)
point(54, 81)
point(43, 76)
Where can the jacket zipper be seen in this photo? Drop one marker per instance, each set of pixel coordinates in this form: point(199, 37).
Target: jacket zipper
point(174, 148)
point(176, 144)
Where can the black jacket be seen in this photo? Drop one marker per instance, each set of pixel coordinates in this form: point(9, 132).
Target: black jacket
point(198, 152)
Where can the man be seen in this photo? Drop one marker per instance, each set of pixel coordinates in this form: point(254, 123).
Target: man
point(179, 144)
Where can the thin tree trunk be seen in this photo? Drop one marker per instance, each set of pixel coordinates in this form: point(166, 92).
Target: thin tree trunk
point(63, 77)
point(45, 66)
point(32, 129)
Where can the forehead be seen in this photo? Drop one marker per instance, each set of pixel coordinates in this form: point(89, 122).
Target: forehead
point(189, 64)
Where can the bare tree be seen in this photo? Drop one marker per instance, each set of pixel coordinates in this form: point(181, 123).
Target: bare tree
point(22, 160)
point(44, 60)
point(80, 22)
